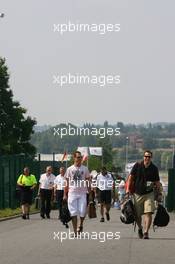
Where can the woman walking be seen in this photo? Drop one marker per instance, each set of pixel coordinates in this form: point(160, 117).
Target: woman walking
point(27, 183)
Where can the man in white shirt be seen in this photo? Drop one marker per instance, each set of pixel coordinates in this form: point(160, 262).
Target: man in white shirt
point(105, 184)
point(78, 183)
point(46, 191)
point(59, 184)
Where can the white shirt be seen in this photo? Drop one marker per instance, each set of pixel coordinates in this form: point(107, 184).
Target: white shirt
point(47, 181)
point(77, 177)
point(60, 182)
point(105, 183)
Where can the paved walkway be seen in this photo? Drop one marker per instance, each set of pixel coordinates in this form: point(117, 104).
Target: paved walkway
point(32, 241)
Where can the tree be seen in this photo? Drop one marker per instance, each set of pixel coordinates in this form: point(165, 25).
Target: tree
point(15, 127)
point(94, 163)
point(107, 149)
point(166, 160)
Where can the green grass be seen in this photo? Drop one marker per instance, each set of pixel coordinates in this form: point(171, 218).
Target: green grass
point(12, 212)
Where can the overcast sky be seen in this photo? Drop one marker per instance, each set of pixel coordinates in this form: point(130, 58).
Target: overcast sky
point(142, 53)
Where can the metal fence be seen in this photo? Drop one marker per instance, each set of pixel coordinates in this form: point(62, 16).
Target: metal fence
point(10, 169)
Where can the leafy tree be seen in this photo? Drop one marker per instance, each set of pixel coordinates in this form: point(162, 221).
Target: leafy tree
point(107, 149)
point(94, 163)
point(15, 127)
point(166, 160)
point(157, 158)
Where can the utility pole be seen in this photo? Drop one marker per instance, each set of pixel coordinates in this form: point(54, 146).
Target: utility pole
point(126, 158)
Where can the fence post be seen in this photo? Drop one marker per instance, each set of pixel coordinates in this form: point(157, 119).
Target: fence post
point(171, 190)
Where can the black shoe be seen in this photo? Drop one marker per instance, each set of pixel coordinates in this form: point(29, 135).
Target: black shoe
point(145, 235)
point(107, 216)
point(42, 216)
point(102, 219)
point(24, 216)
point(140, 233)
point(48, 216)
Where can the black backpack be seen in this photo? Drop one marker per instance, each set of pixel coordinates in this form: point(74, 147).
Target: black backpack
point(127, 212)
point(162, 217)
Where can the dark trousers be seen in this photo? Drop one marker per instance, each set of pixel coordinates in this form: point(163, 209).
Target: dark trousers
point(59, 198)
point(45, 196)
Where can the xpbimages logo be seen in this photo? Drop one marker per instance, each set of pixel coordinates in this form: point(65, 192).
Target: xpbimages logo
point(91, 80)
point(77, 27)
point(100, 236)
point(102, 132)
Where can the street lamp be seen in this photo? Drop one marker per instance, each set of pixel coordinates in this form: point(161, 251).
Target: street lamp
point(126, 161)
point(173, 157)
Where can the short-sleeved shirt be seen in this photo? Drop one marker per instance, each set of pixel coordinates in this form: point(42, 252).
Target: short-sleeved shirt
point(144, 177)
point(105, 182)
point(47, 181)
point(77, 177)
point(27, 180)
point(60, 182)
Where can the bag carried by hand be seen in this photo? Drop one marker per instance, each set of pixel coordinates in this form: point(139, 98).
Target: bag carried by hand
point(37, 202)
point(92, 210)
point(162, 217)
point(127, 212)
point(18, 192)
point(92, 205)
point(65, 216)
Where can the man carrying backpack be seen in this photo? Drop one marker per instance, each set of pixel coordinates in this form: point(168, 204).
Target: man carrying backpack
point(143, 179)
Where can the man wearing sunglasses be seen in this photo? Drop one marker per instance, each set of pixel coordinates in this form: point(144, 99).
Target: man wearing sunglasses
point(144, 177)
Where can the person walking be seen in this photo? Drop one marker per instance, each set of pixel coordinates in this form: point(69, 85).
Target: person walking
point(78, 182)
point(59, 184)
point(105, 184)
point(45, 192)
point(143, 178)
point(27, 182)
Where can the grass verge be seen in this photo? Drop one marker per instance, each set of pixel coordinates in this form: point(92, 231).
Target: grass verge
point(12, 212)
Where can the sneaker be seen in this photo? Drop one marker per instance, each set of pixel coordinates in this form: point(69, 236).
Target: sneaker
point(107, 216)
point(102, 219)
point(145, 235)
point(140, 233)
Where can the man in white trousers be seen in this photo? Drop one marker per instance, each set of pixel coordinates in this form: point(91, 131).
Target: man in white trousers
point(78, 184)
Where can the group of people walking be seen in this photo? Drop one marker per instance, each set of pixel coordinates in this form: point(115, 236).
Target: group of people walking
point(75, 184)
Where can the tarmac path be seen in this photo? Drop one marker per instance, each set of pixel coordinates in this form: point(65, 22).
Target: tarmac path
point(36, 241)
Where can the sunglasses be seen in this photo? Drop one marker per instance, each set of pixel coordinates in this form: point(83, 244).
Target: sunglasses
point(79, 157)
point(149, 157)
